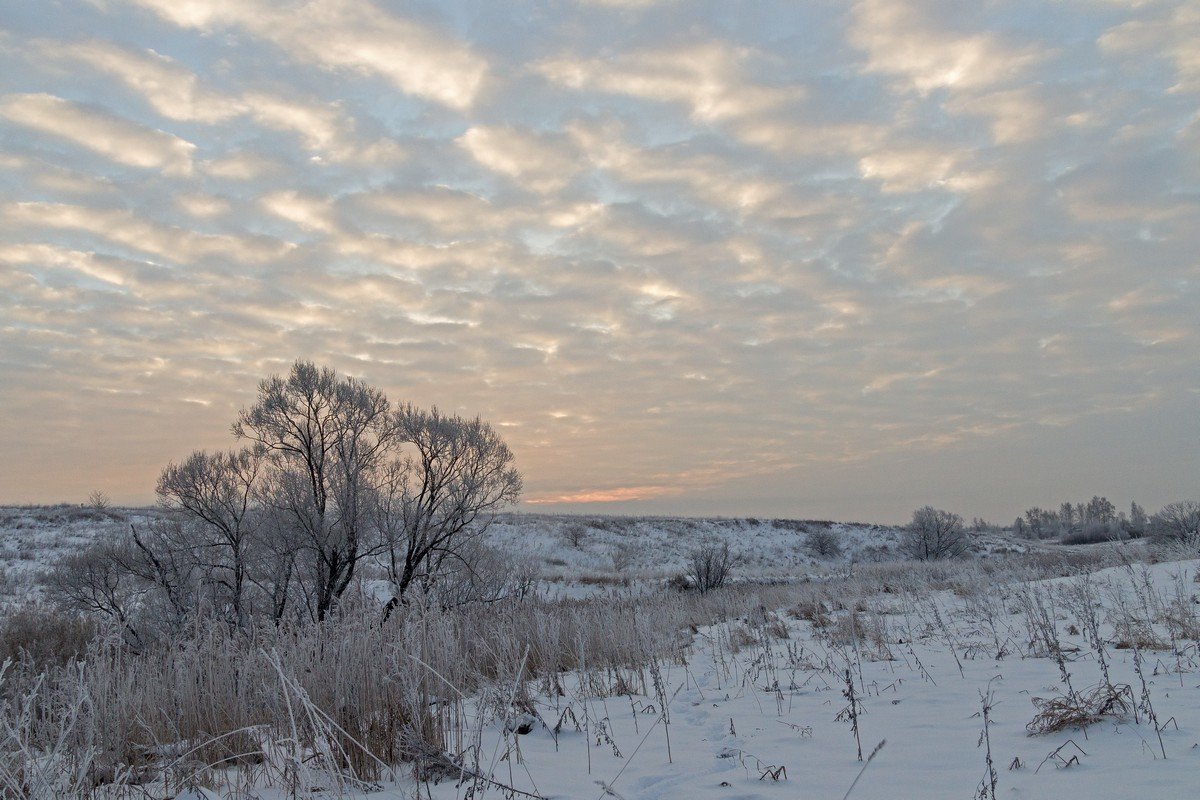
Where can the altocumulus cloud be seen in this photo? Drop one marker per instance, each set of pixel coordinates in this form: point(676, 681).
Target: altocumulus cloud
point(816, 259)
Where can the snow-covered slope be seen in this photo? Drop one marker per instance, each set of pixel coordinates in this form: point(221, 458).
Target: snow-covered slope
point(575, 552)
point(34, 538)
point(658, 547)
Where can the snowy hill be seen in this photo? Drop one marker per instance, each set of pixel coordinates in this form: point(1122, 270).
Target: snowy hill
point(571, 547)
point(34, 538)
point(577, 553)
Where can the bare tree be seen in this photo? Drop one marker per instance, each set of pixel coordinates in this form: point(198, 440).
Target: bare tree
point(1066, 516)
point(1177, 522)
point(709, 566)
point(95, 579)
point(272, 559)
point(332, 476)
point(219, 491)
point(823, 543)
point(328, 437)
point(163, 558)
point(574, 533)
point(481, 574)
point(1042, 523)
point(456, 475)
point(934, 534)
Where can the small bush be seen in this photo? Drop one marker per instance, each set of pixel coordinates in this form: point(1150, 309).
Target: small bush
point(812, 610)
point(574, 533)
point(1092, 533)
point(709, 567)
point(1079, 710)
point(823, 543)
point(1177, 523)
point(623, 556)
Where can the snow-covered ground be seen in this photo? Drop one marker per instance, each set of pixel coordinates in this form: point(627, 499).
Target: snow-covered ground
point(769, 719)
point(759, 706)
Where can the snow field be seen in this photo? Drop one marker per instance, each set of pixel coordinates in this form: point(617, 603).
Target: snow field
point(759, 709)
point(639, 692)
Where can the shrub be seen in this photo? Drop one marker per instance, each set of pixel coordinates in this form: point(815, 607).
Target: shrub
point(709, 567)
point(1092, 533)
point(1177, 522)
point(574, 533)
point(823, 543)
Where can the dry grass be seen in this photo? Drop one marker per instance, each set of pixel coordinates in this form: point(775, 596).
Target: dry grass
point(360, 695)
point(44, 636)
point(1080, 709)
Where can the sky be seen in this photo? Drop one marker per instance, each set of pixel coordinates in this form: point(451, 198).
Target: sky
point(824, 259)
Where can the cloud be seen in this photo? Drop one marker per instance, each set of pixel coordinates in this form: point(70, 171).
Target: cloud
point(169, 88)
point(352, 35)
point(708, 177)
point(542, 164)
point(202, 205)
point(242, 166)
point(904, 40)
point(1162, 30)
point(86, 264)
point(177, 93)
point(910, 169)
point(127, 230)
point(308, 212)
point(1016, 115)
point(617, 495)
point(114, 138)
point(710, 79)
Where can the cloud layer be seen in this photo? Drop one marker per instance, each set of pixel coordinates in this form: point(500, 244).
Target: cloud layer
point(816, 260)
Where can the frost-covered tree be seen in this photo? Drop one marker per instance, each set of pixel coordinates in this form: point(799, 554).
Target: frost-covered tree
point(451, 477)
point(218, 493)
point(934, 534)
point(327, 437)
point(1042, 522)
point(574, 533)
point(95, 579)
point(1138, 521)
point(1066, 516)
point(1100, 510)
